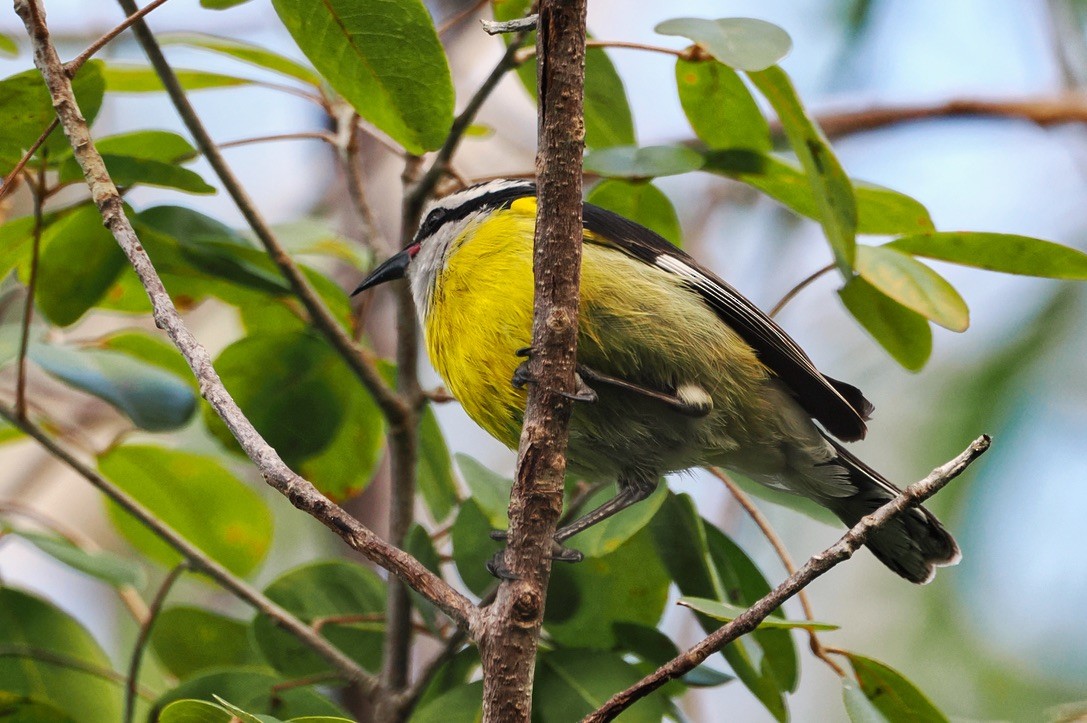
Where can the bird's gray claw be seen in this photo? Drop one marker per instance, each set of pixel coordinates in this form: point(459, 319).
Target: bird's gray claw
point(497, 567)
point(521, 376)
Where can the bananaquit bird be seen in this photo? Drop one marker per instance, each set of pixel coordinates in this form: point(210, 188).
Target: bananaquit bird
point(676, 368)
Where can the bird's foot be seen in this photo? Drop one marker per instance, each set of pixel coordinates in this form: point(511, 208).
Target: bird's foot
point(559, 553)
point(521, 376)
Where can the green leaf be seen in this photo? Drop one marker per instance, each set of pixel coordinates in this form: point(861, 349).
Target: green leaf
point(608, 120)
point(330, 588)
point(905, 334)
point(188, 639)
point(196, 496)
point(572, 683)
point(463, 704)
point(153, 399)
point(434, 473)
point(831, 187)
point(32, 624)
point(8, 47)
point(489, 490)
point(194, 711)
point(998, 252)
point(107, 567)
point(719, 107)
point(153, 145)
point(252, 689)
point(252, 54)
point(726, 612)
point(914, 285)
point(296, 379)
point(586, 600)
point(857, 706)
point(79, 262)
point(16, 243)
point(743, 43)
point(608, 535)
point(129, 171)
point(879, 210)
point(358, 46)
point(456, 672)
point(183, 241)
point(642, 163)
point(896, 698)
point(473, 547)
point(418, 544)
point(16, 708)
point(123, 78)
point(151, 349)
point(221, 4)
point(26, 109)
point(642, 202)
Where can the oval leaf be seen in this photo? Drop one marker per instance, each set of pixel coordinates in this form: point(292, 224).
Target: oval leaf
point(153, 399)
point(914, 285)
point(473, 547)
point(727, 612)
point(896, 698)
point(719, 107)
point(359, 47)
point(36, 625)
point(319, 591)
point(490, 490)
point(198, 497)
point(122, 78)
point(879, 210)
point(641, 202)
point(109, 568)
point(26, 109)
point(831, 187)
point(189, 639)
point(296, 378)
point(998, 252)
point(254, 690)
point(572, 683)
point(641, 163)
point(903, 333)
point(744, 43)
point(252, 54)
point(79, 263)
point(463, 704)
point(434, 471)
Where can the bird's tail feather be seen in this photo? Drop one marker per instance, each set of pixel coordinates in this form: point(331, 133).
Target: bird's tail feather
point(913, 544)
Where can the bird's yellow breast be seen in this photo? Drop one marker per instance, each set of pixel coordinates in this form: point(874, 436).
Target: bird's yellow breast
point(637, 322)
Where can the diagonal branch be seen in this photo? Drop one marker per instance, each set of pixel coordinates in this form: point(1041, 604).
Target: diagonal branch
point(300, 492)
point(359, 361)
point(817, 565)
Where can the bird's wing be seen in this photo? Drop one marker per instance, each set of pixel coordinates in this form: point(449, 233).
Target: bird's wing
point(841, 408)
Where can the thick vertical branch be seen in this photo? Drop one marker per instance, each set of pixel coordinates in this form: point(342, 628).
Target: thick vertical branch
point(511, 631)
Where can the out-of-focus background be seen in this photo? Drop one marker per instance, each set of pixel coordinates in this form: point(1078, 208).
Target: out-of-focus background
point(1001, 636)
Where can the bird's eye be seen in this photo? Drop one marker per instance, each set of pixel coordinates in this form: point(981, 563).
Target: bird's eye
point(433, 220)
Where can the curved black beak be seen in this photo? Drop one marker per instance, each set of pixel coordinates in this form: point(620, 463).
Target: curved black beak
point(394, 268)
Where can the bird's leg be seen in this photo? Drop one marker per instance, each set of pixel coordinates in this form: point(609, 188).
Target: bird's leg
point(521, 377)
point(632, 488)
point(689, 399)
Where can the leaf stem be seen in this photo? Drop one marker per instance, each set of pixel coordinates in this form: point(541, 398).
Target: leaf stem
point(38, 192)
point(792, 293)
point(144, 636)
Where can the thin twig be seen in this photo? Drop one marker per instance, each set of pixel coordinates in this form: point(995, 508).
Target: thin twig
point(410, 697)
point(351, 161)
point(458, 18)
point(816, 566)
point(362, 364)
point(73, 65)
point(38, 194)
point(301, 493)
point(144, 636)
point(66, 661)
point(791, 293)
point(10, 178)
point(199, 561)
point(300, 136)
point(776, 542)
point(315, 679)
point(687, 53)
